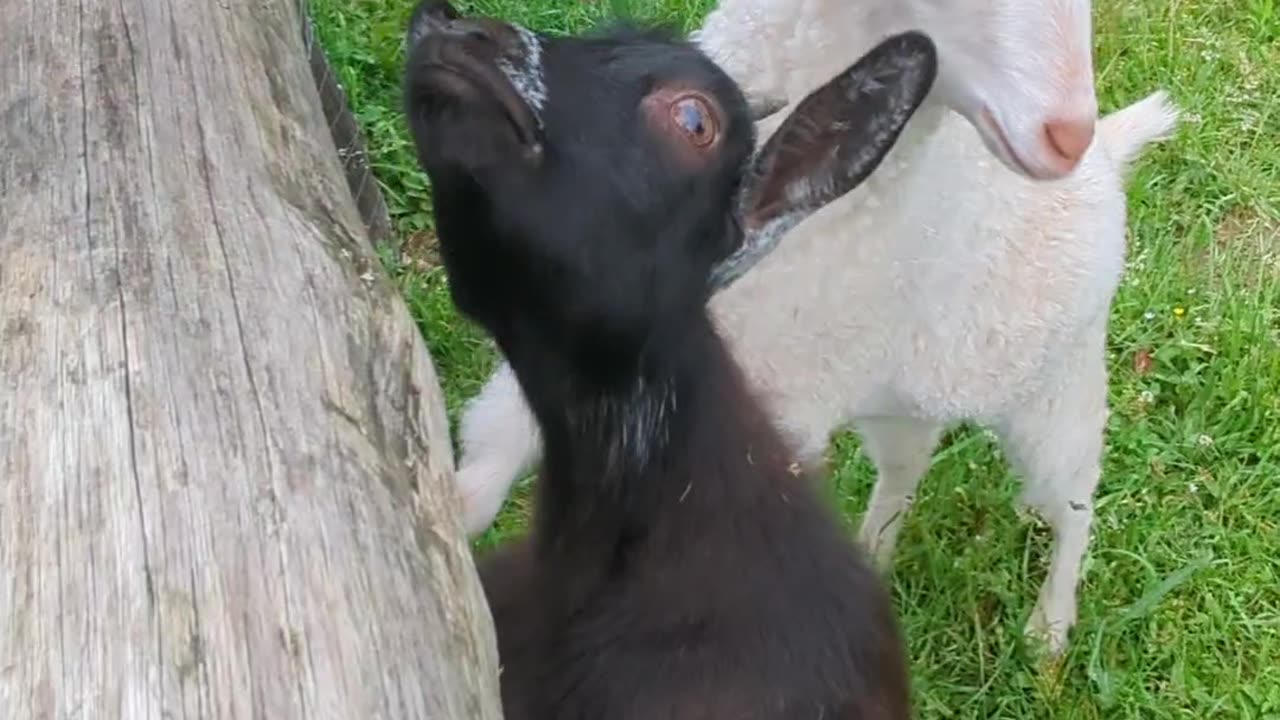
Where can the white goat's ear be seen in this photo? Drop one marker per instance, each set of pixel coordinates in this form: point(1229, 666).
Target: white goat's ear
point(829, 144)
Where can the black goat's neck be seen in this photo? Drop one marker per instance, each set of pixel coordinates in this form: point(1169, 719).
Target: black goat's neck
point(632, 457)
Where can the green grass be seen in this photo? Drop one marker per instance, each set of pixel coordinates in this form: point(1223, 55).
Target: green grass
point(1180, 608)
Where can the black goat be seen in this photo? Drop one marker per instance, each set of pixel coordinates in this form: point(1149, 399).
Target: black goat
point(590, 194)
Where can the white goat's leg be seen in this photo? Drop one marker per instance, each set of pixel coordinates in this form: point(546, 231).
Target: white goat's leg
point(901, 449)
point(500, 440)
point(1055, 441)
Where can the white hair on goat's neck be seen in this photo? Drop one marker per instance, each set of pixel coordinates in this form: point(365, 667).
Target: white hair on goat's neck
point(635, 425)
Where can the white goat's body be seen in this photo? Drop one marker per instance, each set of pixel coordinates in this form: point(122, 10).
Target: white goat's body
point(946, 288)
point(941, 295)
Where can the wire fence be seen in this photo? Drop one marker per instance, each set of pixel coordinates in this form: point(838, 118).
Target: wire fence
point(348, 138)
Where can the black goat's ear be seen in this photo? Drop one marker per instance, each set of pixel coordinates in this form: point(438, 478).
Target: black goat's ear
point(839, 134)
point(428, 15)
point(829, 144)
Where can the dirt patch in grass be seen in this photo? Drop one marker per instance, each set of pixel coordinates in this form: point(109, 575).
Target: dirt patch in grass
point(421, 250)
point(1245, 246)
point(1252, 238)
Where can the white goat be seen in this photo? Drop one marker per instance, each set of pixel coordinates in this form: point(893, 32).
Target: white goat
point(975, 290)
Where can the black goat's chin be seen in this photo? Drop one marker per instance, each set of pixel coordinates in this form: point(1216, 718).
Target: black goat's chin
point(483, 84)
point(445, 83)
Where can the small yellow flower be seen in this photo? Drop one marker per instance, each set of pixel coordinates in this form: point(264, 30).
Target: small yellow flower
point(1179, 312)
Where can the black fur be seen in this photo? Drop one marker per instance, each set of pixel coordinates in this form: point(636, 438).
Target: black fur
point(676, 568)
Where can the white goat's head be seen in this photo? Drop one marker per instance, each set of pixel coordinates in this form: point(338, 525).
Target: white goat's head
point(1021, 71)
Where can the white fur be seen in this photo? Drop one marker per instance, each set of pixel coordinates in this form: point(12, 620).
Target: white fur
point(947, 288)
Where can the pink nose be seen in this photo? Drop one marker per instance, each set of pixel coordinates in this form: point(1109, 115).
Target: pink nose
point(1069, 139)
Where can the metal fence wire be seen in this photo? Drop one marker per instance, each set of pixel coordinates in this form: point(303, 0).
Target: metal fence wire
point(347, 137)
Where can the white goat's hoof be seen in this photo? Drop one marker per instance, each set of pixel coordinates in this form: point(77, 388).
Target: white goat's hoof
point(1049, 632)
point(483, 493)
point(878, 551)
point(883, 559)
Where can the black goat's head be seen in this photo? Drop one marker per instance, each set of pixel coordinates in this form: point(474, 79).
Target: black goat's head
point(599, 186)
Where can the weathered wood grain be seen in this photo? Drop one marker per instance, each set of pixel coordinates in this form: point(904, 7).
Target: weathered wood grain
point(225, 476)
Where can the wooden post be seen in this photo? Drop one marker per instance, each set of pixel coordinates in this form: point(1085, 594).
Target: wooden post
point(225, 476)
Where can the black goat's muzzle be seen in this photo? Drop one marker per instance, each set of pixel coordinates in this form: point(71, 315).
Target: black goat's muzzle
point(484, 60)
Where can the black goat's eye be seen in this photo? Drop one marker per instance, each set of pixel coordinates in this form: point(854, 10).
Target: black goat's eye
point(694, 117)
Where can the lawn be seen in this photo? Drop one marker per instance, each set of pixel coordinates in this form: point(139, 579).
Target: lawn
point(1180, 607)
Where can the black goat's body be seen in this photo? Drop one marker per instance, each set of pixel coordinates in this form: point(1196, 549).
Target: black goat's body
point(712, 583)
point(587, 193)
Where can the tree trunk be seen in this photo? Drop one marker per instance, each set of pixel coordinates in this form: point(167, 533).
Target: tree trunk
point(225, 476)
